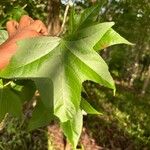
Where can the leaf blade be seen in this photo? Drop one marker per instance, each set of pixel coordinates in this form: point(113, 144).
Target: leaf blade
point(72, 128)
point(41, 116)
point(88, 108)
point(7, 100)
point(110, 38)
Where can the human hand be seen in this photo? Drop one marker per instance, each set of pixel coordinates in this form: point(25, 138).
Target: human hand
point(26, 28)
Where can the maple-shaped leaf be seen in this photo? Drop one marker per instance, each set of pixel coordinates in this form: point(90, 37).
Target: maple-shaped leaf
point(65, 62)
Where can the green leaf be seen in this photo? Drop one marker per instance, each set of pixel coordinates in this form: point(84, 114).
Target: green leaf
point(88, 108)
point(72, 23)
point(89, 16)
point(25, 89)
point(9, 103)
point(110, 38)
point(16, 12)
point(3, 36)
point(41, 116)
point(46, 95)
point(12, 95)
point(73, 128)
point(1, 83)
point(65, 63)
point(86, 18)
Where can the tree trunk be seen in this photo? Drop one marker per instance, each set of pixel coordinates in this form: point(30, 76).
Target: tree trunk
point(146, 83)
point(93, 1)
point(55, 136)
point(53, 20)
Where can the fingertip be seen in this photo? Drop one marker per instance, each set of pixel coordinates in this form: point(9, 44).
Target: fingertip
point(25, 21)
point(44, 31)
point(12, 27)
point(24, 17)
point(12, 23)
point(39, 27)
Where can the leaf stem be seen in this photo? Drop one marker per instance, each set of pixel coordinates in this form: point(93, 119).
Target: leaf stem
point(65, 17)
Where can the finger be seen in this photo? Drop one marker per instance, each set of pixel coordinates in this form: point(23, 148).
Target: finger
point(25, 21)
point(12, 27)
point(39, 27)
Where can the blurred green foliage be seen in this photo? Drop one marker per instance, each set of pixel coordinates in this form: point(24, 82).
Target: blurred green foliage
point(14, 136)
point(14, 9)
point(125, 121)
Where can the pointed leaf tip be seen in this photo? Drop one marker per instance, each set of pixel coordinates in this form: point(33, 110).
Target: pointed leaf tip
point(111, 37)
point(88, 108)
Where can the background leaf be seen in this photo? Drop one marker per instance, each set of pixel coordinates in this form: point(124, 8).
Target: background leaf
point(25, 89)
point(3, 36)
point(45, 87)
point(9, 103)
point(41, 116)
